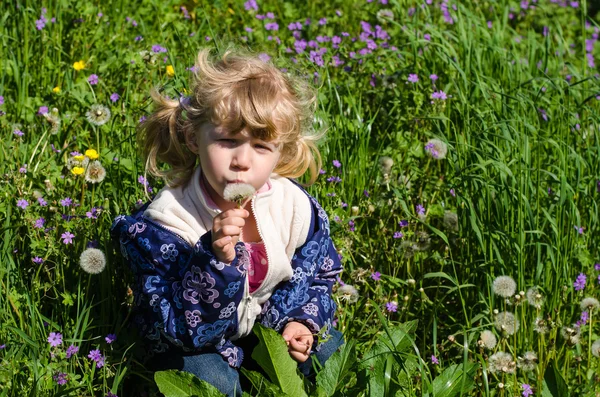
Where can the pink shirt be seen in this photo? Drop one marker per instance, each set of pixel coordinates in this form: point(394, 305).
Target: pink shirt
point(257, 270)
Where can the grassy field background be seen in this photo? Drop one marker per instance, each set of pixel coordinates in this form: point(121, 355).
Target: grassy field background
point(462, 145)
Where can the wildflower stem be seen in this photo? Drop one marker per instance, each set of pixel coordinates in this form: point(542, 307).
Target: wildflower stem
point(589, 359)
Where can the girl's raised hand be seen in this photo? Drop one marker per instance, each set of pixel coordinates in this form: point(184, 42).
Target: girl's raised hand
point(226, 230)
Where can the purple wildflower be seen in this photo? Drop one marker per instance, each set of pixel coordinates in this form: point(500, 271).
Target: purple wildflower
point(111, 395)
point(42, 110)
point(93, 79)
point(60, 378)
point(579, 283)
point(66, 202)
point(55, 339)
point(39, 223)
point(597, 267)
point(420, 209)
point(336, 164)
point(18, 132)
point(72, 350)
point(526, 390)
point(579, 229)
point(110, 338)
point(96, 356)
point(413, 78)
point(366, 193)
point(156, 48)
point(398, 235)
point(22, 203)
point(334, 179)
point(351, 225)
point(67, 237)
point(441, 95)
point(37, 260)
point(264, 57)
point(376, 276)
point(434, 360)
point(114, 97)
point(452, 192)
point(1, 100)
point(391, 307)
point(251, 5)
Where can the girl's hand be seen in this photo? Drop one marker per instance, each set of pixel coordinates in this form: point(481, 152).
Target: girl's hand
point(299, 340)
point(226, 230)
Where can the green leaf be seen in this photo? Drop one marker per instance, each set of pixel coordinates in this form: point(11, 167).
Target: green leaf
point(456, 379)
point(554, 381)
point(273, 356)
point(173, 383)
point(337, 368)
point(261, 385)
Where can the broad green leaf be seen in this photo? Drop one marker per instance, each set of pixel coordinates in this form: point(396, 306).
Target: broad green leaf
point(454, 380)
point(336, 368)
point(273, 356)
point(173, 383)
point(261, 384)
point(554, 381)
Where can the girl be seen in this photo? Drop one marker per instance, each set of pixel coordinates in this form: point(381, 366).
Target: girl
point(207, 268)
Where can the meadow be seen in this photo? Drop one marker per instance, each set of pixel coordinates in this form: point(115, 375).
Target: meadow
point(460, 173)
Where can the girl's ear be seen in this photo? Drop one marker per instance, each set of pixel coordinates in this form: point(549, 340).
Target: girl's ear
point(190, 141)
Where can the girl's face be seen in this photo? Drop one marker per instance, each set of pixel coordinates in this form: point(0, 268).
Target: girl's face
point(239, 158)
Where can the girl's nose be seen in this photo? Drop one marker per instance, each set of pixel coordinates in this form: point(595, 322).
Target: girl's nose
point(241, 157)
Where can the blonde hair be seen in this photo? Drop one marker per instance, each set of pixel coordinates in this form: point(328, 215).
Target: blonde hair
point(237, 91)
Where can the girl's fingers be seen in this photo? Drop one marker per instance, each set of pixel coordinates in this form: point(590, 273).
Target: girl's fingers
point(299, 346)
point(299, 357)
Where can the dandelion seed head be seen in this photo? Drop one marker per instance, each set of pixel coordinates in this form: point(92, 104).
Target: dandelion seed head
point(501, 362)
point(92, 261)
point(95, 172)
point(348, 293)
point(535, 297)
point(451, 221)
point(488, 339)
point(436, 148)
point(596, 348)
point(589, 304)
point(504, 286)
point(98, 114)
point(540, 326)
point(238, 192)
point(507, 323)
point(571, 335)
point(528, 362)
point(385, 164)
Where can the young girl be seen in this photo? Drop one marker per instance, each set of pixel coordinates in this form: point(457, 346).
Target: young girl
point(207, 268)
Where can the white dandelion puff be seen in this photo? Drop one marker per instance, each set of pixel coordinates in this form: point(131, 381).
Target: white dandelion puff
point(451, 221)
point(501, 362)
point(589, 304)
point(92, 261)
point(504, 286)
point(540, 325)
point(507, 323)
point(488, 339)
point(528, 362)
point(535, 297)
point(54, 120)
point(98, 114)
point(596, 348)
point(238, 192)
point(95, 172)
point(436, 148)
point(385, 164)
point(571, 335)
point(348, 293)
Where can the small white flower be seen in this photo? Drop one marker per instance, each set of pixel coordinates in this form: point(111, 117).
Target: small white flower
point(488, 339)
point(528, 362)
point(98, 114)
point(507, 323)
point(95, 172)
point(589, 304)
point(348, 293)
point(535, 297)
point(501, 362)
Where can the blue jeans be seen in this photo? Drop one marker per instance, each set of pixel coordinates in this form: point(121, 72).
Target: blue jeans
point(212, 368)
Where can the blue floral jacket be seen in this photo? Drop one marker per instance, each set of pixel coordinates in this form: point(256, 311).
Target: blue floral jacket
point(187, 299)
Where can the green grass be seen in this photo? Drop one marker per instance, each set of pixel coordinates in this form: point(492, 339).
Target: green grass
point(503, 158)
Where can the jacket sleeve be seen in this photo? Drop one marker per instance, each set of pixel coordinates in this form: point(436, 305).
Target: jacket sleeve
point(306, 297)
point(184, 292)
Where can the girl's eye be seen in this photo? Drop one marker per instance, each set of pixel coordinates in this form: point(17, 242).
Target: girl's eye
point(227, 141)
point(259, 146)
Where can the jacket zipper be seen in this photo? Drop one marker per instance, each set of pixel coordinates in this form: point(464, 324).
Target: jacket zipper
point(158, 225)
point(266, 248)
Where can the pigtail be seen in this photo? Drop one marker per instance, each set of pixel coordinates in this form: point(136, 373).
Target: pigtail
point(162, 139)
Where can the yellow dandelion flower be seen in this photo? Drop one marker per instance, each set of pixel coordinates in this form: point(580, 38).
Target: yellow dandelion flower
point(92, 154)
point(79, 157)
point(170, 70)
point(77, 170)
point(79, 65)
point(56, 89)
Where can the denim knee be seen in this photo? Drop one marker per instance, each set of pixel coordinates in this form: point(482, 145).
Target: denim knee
point(211, 367)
